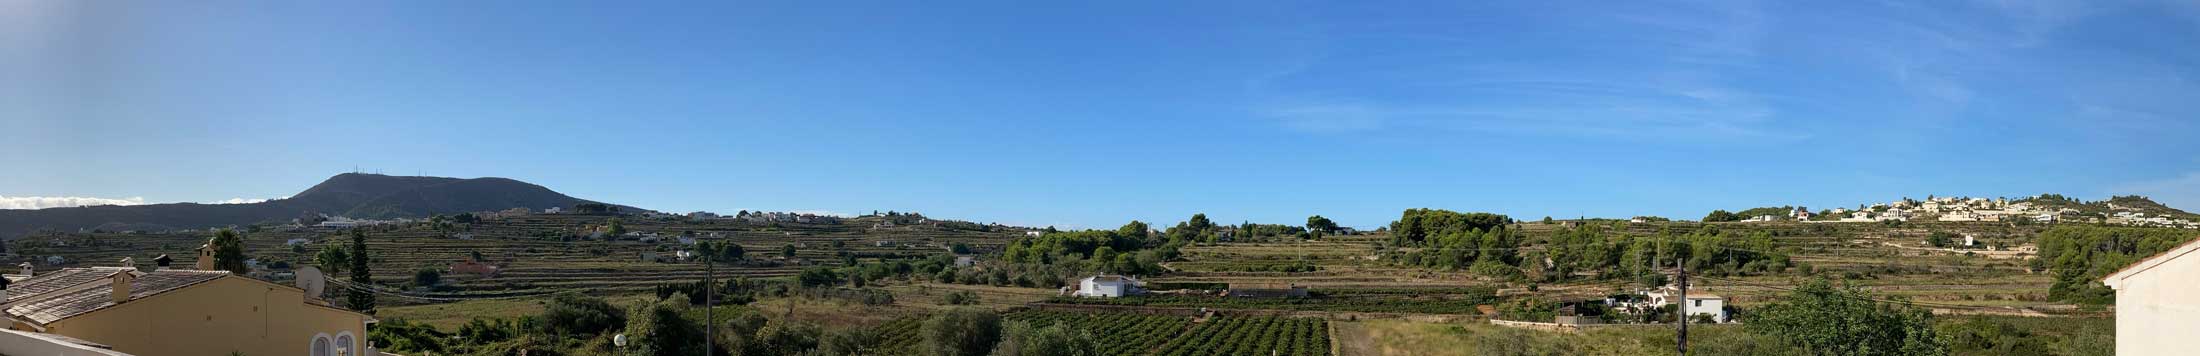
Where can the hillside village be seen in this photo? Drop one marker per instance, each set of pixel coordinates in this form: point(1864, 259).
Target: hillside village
point(2042, 209)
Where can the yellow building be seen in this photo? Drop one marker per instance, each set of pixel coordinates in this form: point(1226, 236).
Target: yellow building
point(182, 312)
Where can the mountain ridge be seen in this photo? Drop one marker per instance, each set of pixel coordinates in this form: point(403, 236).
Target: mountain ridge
point(351, 195)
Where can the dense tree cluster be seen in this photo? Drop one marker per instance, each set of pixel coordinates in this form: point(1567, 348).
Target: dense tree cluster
point(1197, 229)
point(1594, 251)
point(1418, 225)
point(1775, 211)
point(1126, 250)
point(1827, 319)
point(1321, 224)
point(1462, 248)
point(1252, 230)
point(2081, 255)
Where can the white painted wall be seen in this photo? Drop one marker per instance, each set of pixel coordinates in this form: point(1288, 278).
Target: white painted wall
point(1090, 287)
point(2158, 304)
point(1715, 307)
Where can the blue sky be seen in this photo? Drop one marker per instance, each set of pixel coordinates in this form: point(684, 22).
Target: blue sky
point(1090, 115)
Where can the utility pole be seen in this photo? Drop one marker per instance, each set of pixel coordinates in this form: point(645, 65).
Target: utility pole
point(709, 267)
point(1682, 306)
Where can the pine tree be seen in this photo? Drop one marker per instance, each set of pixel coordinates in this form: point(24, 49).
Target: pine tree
point(360, 300)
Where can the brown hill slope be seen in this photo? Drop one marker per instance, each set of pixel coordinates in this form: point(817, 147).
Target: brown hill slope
point(355, 195)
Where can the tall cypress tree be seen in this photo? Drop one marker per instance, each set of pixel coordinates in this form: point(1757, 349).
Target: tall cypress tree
point(360, 300)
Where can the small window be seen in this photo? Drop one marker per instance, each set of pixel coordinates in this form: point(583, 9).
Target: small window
point(1699, 303)
point(321, 347)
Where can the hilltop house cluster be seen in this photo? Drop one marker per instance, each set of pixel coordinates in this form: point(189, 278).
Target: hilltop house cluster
point(759, 217)
point(1965, 209)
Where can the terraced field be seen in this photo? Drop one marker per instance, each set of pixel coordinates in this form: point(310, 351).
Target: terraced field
point(538, 254)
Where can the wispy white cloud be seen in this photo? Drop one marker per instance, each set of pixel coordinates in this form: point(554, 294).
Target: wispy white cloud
point(2182, 192)
point(7, 202)
point(240, 201)
point(821, 212)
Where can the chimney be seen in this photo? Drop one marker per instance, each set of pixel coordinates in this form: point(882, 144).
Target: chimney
point(26, 269)
point(121, 285)
point(206, 257)
point(162, 262)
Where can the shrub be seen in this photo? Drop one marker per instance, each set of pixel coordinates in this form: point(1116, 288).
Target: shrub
point(962, 332)
point(1826, 319)
point(961, 297)
point(572, 314)
point(1023, 339)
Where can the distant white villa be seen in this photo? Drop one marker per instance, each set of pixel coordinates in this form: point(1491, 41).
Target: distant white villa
point(1105, 286)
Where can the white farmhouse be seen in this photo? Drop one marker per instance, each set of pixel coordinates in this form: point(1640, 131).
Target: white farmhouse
point(1698, 302)
point(1711, 304)
point(2157, 303)
point(1107, 287)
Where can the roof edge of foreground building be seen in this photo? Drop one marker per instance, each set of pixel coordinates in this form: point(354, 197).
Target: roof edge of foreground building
point(2158, 302)
point(178, 311)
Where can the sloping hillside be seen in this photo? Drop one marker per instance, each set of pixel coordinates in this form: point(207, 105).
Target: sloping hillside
point(355, 195)
point(2131, 203)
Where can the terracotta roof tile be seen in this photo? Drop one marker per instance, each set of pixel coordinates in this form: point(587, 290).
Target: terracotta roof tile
point(58, 280)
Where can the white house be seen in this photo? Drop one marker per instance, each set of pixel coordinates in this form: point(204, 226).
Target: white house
point(2157, 303)
point(1107, 287)
point(298, 241)
point(1712, 304)
point(1697, 303)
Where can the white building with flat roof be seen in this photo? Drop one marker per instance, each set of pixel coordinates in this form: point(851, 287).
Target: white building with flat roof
point(1107, 287)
